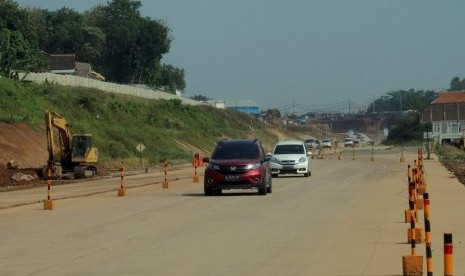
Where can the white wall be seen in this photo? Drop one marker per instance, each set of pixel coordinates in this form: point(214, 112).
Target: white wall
point(71, 80)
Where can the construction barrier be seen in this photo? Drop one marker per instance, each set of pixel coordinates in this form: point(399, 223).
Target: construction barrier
point(429, 255)
point(448, 255)
point(166, 184)
point(121, 190)
point(372, 153)
point(402, 159)
point(412, 265)
point(48, 203)
point(196, 161)
point(411, 202)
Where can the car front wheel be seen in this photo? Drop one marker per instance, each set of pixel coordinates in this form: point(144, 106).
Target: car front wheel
point(270, 188)
point(208, 192)
point(262, 190)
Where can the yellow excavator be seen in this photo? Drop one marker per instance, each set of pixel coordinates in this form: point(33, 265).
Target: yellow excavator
point(68, 154)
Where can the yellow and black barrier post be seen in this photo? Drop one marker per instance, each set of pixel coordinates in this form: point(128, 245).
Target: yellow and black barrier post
point(413, 232)
point(372, 153)
point(409, 173)
point(411, 203)
point(196, 161)
point(402, 159)
point(429, 255)
point(420, 157)
point(49, 204)
point(412, 264)
point(340, 156)
point(166, 184)
point(416, 180)
point(121, 190)
point(448, 255)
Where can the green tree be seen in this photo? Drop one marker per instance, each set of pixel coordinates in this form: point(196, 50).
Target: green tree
point(456, 84)
point(173, 78)
point(406, 129)
point(199, 98)
point(93, 45)
point(273, 113)
point(17, 42)
point(64, 30)
point(402, 100)
point(13, 18)
point(134, 45)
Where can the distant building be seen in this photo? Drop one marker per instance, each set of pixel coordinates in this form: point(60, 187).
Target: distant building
point(447, 117)
point(247, 106)
point(66, 64)
point(61, 63)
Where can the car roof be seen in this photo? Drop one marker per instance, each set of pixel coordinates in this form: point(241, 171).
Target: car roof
point(236, 141)
point(290, 142)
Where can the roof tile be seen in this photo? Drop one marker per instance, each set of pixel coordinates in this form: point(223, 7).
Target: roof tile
point(450, 97)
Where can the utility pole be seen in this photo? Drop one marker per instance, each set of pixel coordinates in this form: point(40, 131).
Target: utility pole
point(349, 106)
point(400, 99)
point(373, 105)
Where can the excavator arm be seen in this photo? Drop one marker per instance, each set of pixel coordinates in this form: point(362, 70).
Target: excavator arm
point(63, 153)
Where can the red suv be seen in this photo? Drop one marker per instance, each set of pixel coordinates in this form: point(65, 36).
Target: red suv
point(237, 164)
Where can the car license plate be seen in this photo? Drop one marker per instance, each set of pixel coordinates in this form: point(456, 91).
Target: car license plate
point(233, 177)
point(288, 167)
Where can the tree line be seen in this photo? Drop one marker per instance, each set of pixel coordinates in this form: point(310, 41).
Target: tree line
point(405, 100)
point(114, 38)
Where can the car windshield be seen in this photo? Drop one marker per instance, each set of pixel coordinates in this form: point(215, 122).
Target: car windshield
point(289, 149)
point(236, 151)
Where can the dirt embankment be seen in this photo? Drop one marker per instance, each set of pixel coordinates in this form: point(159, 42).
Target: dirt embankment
point(28, 148)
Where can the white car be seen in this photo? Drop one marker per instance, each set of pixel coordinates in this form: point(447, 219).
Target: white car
point(348, 142)
point(326, 143)
point(290, 157)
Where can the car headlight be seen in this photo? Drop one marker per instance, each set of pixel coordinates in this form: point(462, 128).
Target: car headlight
point(252, 166)
point(302, 159)
point(213, 167)
point(274, 160)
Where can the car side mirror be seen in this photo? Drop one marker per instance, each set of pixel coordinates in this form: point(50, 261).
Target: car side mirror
point(206, 159)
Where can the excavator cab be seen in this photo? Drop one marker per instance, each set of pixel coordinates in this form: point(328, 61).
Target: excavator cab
point(82, 150)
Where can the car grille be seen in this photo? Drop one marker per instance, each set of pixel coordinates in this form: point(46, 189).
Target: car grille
point(288, 162)
point(232, 169)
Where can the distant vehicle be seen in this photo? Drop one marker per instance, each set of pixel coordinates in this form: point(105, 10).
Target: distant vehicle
point(310, 143)
point(356, 143)
point(290, 157)
point(318, 144)
point(326, 143)
point(371, 143)
point(348, 142)
point(237, 164)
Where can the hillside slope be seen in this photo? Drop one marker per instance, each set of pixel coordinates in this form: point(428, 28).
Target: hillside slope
point(118, 123)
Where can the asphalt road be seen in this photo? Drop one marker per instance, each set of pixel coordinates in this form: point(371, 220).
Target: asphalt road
point(346, 219)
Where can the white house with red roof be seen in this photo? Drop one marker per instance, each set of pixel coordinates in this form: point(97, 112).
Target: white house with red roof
point(447, 117)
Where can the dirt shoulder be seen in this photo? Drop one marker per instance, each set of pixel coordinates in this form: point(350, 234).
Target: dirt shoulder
point(28, 148)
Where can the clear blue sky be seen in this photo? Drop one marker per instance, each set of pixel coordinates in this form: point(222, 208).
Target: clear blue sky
point(307, 54)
